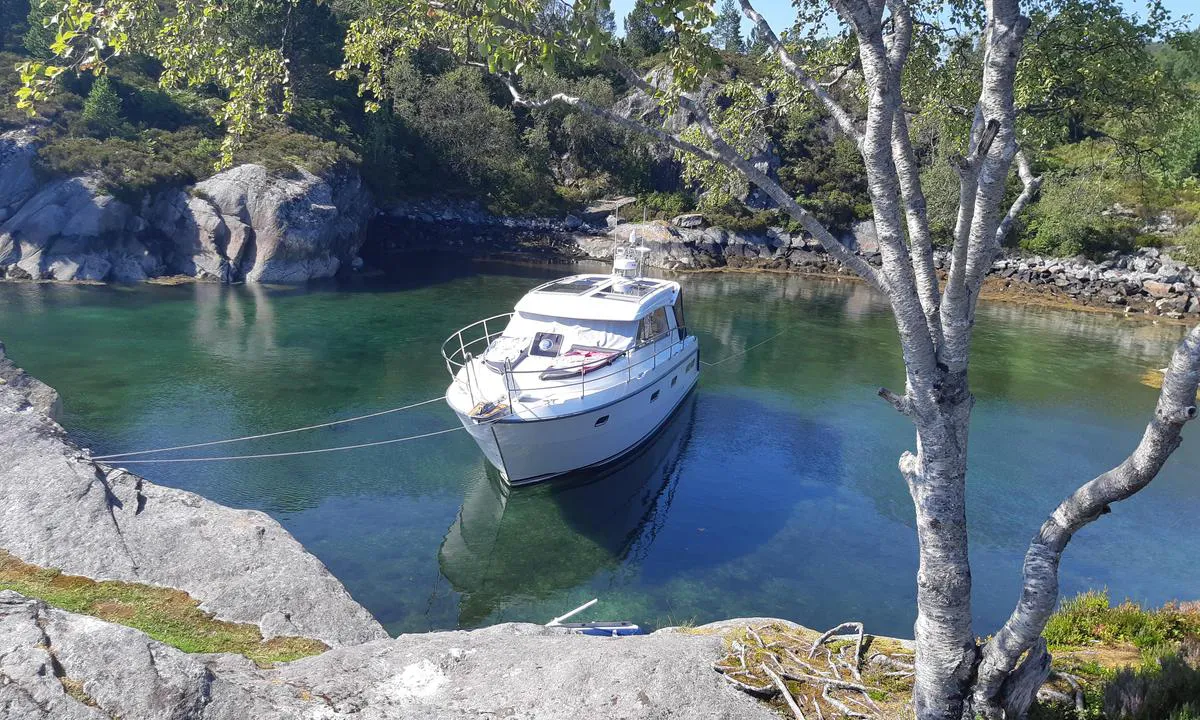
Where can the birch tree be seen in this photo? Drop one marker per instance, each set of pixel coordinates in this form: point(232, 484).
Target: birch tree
point(957, 675)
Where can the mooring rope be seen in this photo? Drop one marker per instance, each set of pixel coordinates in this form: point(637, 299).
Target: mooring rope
point(289, 454)
point(119, 457)
point(270, 434)
point(743, 352)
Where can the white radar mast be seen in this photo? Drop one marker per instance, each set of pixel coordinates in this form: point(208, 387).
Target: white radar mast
point(628, 259)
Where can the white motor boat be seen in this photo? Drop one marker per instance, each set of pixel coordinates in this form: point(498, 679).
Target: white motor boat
point(584, 371)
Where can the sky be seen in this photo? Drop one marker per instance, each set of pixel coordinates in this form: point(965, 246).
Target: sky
point(781, 14)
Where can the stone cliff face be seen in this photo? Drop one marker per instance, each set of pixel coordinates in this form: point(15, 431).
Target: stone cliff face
point(58, 508)
point(505, 671)
point(242, 224)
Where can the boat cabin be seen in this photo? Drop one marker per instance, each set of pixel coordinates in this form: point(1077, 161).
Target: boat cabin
point(572, 337)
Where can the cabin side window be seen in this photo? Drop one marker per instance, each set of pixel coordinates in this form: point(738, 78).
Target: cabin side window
point(678, 309)
point(653, 327)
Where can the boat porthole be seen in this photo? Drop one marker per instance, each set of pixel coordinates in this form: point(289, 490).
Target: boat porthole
point(674, 380)
point(601, 421)
point(654, 395)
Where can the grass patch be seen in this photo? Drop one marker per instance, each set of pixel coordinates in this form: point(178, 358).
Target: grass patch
point(167, 615)
point(1089, 618)
point(1132, 663)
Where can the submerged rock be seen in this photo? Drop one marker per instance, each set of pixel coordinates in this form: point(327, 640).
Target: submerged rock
point(505, 671)
point(59, 508)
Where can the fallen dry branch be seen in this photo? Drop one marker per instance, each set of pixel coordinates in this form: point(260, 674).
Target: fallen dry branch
point(779, 683)
point(773, 663)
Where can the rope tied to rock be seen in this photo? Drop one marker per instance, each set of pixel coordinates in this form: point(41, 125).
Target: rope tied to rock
point(116, 456)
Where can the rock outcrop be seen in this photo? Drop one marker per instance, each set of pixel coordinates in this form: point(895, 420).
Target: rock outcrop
point(246, 223)
point(68, 230)
point(17, 179)
point(242, 224)
point(505, 671)
point(60, 509)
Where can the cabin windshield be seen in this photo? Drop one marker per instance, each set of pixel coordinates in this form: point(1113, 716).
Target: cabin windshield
point(563, 334)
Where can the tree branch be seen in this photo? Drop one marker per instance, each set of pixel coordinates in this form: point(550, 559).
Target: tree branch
point(1039, 594)
point(984, 175)
point(907, 173)
point(722, 153)
point(730, 157)
point(581, 104)
point(844, 122)
point(901, 402)
point(1031, 186)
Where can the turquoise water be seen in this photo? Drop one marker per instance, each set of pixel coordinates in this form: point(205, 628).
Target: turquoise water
point(773, 492)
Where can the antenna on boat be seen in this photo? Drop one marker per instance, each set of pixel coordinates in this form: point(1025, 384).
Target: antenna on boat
point(628, 259)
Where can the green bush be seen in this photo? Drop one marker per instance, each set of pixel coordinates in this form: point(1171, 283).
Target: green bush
point(940, 182)
point(660, 206)
point(756, 222)
point(1069, 218)
point(1168, 687)
point(282, 150)
point(1189, 239)
point(1089, 618)
point(129, 168)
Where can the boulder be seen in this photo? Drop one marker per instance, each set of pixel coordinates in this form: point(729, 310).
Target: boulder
point(304, 227)
point(1157, 289)
point(1175, 303)
point(501, 671)
point(63, 232)
point(61, 509)
point(688, 220)
point(196, 233)
point(863, 237)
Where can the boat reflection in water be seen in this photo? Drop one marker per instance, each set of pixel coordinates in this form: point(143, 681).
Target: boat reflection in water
point(511, 547)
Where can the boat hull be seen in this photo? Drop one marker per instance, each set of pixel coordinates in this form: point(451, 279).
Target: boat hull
point(531, 450)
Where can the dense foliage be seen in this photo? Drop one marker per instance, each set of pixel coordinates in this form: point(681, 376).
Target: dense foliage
point(1110, 108)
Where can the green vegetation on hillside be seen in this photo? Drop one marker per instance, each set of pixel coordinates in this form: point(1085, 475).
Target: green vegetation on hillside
point(1110, 105)
point(169, 616)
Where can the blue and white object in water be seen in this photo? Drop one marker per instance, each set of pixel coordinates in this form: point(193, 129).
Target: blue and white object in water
point(599, 628)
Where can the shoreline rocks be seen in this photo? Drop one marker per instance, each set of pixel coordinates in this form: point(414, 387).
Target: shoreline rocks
point(504, 671)
point(1148, 281)
point(59, 508)
point(243, 224)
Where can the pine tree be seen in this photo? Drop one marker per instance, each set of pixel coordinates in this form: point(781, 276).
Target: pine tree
point(102, 108)
point(38, 37)
point(12, 18)
point(644, 34)
point(727, 30)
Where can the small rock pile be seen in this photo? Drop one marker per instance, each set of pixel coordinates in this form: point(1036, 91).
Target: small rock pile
point(1149, 281)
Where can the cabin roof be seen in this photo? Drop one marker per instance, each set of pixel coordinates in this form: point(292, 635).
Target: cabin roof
point(599, 297)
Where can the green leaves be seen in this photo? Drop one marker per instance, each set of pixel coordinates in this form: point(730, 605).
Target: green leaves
point(193, 40)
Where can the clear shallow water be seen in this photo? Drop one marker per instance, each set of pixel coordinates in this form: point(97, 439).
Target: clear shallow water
point(773, 492)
